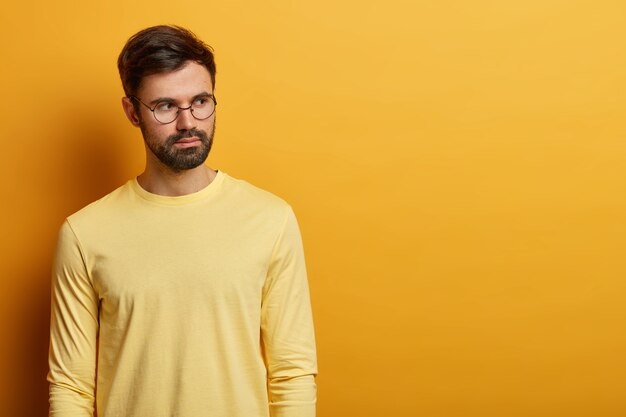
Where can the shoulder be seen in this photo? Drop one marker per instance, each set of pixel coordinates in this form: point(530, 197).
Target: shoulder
point(98, 211)
point(252, 205)
point(248, 194)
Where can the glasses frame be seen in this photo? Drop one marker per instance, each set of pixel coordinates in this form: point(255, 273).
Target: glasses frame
point(152, 109)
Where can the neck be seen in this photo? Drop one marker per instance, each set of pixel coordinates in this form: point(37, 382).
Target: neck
point(162, 181)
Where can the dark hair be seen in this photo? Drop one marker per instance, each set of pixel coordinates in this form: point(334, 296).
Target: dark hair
point(159, 49)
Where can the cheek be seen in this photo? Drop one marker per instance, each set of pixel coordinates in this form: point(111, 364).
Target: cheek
point(155, 133)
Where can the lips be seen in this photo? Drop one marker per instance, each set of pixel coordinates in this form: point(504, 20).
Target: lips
point(188, 140)
point(192, 138)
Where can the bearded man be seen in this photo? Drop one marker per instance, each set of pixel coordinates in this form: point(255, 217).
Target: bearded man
point(183, 292)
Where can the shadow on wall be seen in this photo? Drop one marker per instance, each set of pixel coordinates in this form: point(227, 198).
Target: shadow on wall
point(79, 165)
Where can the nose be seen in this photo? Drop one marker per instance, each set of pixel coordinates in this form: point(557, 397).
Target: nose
point(185, 120)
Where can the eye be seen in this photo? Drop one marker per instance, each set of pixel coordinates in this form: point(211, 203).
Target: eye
point(164, 106)
point(200, 102)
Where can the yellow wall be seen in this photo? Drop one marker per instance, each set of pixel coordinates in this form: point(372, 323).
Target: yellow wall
point(458, 169)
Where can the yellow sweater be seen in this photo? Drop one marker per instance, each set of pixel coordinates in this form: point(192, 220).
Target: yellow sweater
point(184, 306)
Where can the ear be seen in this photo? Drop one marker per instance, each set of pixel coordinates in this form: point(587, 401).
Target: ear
point(129, 110)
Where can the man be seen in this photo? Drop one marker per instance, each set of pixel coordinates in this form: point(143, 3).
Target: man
point(183, 292)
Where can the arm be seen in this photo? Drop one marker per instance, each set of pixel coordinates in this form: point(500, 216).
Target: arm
point(73, 331)
point(287, 328)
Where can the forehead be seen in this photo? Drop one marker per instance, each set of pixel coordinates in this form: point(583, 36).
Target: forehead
point(188, 81)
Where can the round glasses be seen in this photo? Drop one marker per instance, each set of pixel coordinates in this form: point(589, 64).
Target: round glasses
point(166, 111)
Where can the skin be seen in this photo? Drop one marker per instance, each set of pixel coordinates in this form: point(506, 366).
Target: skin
point(181, 86)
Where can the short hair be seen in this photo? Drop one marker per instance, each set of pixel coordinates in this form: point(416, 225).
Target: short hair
point(159, 49)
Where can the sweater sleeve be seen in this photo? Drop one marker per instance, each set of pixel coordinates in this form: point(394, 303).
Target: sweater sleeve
point(287, 328)
point(73, 331)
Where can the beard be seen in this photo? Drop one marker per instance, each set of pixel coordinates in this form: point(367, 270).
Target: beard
point(184, 158)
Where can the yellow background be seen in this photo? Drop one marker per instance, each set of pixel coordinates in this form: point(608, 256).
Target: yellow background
point(458, 169)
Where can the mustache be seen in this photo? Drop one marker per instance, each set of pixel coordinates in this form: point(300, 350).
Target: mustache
point(200, 134)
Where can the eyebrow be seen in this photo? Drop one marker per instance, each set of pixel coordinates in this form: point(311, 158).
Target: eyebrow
point(159, 99)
